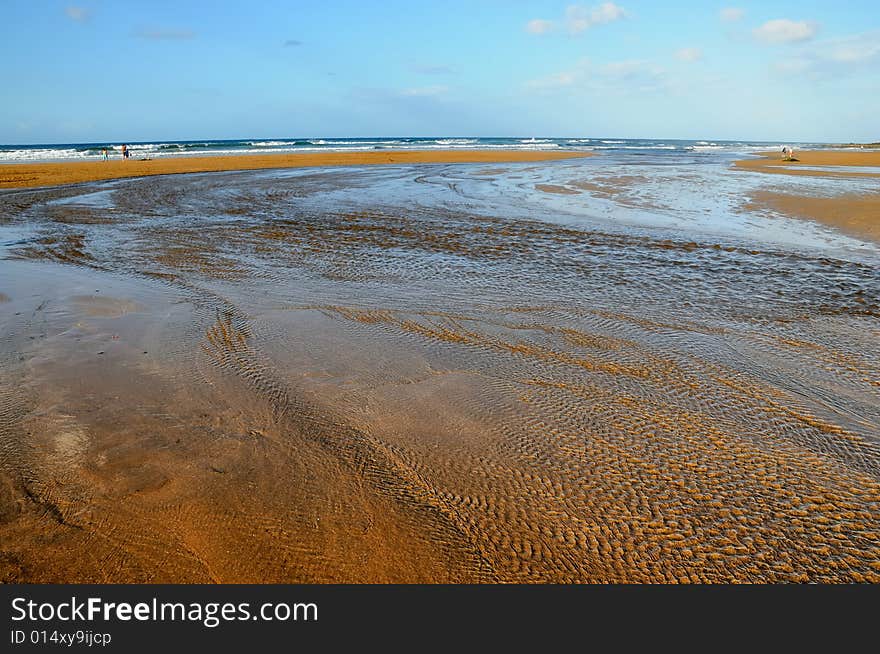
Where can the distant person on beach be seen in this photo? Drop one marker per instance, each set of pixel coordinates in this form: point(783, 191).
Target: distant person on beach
point(104, 153)
point(124, 151)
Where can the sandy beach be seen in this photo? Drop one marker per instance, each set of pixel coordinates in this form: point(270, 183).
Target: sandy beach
point(53, 174)
point(857, 214)
point(585, 370)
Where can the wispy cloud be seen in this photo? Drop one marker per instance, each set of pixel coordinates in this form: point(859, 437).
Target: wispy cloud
point(292, 43)
point(578, 19)
point(793, 66)
point(78, 14)
point(164, 34)
point(539, 26)
point(433, 69)
point(631, 69)
point(731, 14)
point(425, 91)
point(834, 57)
point(556, 80)
point(852, 50)
point(689, 55)
point(632, 75)
point(783, 30)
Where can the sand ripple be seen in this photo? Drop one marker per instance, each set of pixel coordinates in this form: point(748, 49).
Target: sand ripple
point(283, 379)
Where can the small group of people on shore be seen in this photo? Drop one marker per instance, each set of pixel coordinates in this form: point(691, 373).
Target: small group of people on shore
point(126, 153)
point(787, 153)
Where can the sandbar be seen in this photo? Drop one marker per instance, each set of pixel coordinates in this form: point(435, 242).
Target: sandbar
point(855, 214)
point(72, 172)
point(807, 160)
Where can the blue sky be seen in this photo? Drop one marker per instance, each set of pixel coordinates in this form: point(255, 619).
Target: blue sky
point(139, 71)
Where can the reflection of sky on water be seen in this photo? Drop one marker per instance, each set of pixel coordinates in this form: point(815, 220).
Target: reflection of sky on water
point(687, 196)
point(98, 199)
point(874, 170)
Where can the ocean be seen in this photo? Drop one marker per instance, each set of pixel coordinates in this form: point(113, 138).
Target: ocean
point(155, 149)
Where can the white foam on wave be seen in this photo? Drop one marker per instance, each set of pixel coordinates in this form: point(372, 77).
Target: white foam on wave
point(255, 150)
point(87, 152)
point(344, 142)
point(456, 141)
point(268, 144)
point(155, 150)
point(635, 147)
point(29, 154)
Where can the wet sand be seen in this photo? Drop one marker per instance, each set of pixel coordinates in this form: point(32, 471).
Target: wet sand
point(436, 375)
point(857, 215)
point(837, 163)
point(53, 174)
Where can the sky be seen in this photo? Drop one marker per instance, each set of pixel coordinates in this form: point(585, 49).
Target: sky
point(127, 70)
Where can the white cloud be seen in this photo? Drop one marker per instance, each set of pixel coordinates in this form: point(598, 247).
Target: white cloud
point(783, 30)
point(579, 18)
point(78, 14)
point(731, 14)
point(689, 54)
point(834, 57)
point(577, 75)
point(634, 75)
point(858, 49)
point(539, 26)
point(425, 91)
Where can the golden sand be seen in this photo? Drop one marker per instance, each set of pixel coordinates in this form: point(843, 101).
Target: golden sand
point(242, 387)
point(318, 445)
point(772, 162)
point(855, 214)
point(54, 174)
